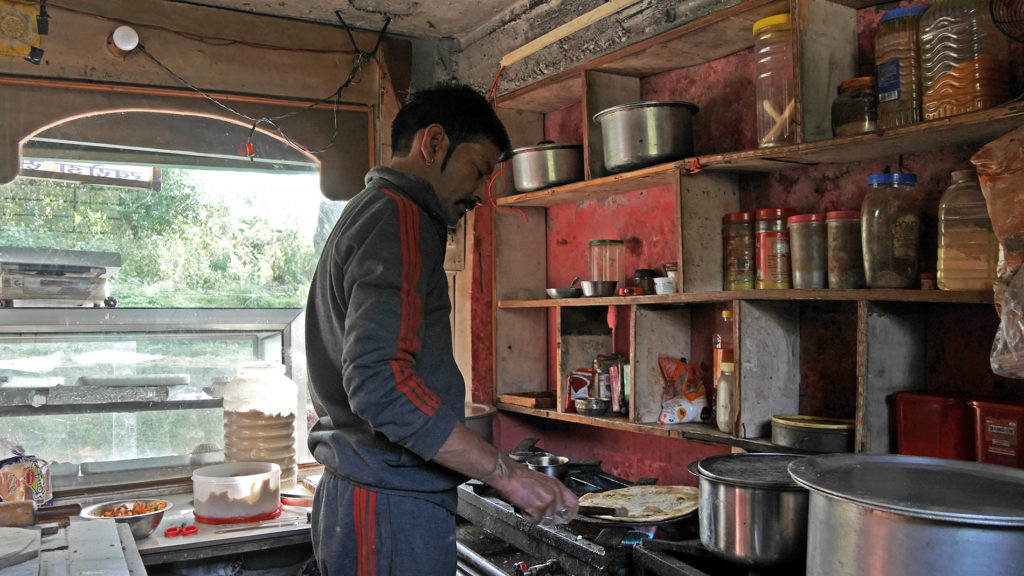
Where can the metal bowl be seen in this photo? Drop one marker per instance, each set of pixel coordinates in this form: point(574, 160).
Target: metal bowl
point(556, 466)
point(595, 288)
point(142, 525)
point(592, 406)
point(565, 292)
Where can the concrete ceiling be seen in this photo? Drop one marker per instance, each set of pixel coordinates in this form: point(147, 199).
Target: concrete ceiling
point(429, 19)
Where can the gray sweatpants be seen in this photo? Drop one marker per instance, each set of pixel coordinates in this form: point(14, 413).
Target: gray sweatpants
point(359, 532)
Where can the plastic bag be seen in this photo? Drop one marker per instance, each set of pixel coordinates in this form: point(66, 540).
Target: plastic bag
point(24, 477)
point(1007, 357)
point(1000, 165)
point(683, 397)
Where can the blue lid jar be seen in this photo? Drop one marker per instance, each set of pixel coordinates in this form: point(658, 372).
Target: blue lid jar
point(893, 179)
point(904, 12)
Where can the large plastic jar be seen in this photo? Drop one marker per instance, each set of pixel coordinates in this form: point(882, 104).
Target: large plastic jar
point(808, 241)
point(738, 251)
point(772, 244)
point(259, 417)
point(968, 249)
point(855, 110)
point(964, 59)
point(606, 261)
point(845, 257)
point(890, 227)
point(898, 67)
point(773, 86)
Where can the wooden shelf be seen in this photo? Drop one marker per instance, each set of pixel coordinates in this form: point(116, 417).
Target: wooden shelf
point(922, 296)
point(94, 399)
point(975, 128)
point(693, 432)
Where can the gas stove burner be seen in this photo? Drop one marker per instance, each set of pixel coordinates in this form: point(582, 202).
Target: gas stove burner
point(691, 558)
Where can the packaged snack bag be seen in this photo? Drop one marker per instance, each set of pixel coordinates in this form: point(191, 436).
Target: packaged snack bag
point(24, 477)
point(683, 397)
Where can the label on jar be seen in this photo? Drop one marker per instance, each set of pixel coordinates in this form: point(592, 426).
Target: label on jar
point(773, 260)
point(887, 78)
point(905, 231)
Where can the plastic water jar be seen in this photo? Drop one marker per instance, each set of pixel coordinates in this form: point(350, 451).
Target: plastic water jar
point(968, 249)
point(259, 417)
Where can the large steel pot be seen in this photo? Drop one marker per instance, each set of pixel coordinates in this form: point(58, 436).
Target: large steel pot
point(751, 511)
point(646, 133)
point(546, 165)
point(891, 514)
point(478, 419)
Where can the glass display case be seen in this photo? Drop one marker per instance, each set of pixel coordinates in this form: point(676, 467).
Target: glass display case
point(109, 396)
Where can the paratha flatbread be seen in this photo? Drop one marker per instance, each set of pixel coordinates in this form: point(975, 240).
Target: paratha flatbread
point(647, 504)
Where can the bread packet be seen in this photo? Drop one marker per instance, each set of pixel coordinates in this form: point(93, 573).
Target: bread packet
point(24, 477)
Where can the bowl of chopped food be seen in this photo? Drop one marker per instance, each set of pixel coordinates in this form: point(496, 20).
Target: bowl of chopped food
point(142, 515)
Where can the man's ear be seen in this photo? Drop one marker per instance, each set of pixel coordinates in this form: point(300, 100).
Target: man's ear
point(433, 144)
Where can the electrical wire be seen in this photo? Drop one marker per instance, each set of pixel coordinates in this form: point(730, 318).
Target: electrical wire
point(492, 97)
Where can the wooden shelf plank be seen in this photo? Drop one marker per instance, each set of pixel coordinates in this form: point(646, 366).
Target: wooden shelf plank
point(922, 296)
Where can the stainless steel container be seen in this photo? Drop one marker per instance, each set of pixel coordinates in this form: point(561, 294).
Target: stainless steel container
point(896, 514)
point(546, 165)
point(813, 433)
point(751, 511)
point(478, 419)
point(646, 133)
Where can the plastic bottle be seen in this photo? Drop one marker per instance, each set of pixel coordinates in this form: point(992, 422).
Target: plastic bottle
point(808, 240)
point(898, 67)
point(722, 342)
point(964, 59)
point(738, 251)
point(772, 244)
point(773, 86)
point(890, 227)
point(259, 417)
point(725, 415)
point(968, 249)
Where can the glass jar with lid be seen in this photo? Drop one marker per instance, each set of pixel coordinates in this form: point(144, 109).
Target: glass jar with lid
point(890, 228)
point(773, 85)
point(808, 242)
point(854, 111)
point(738, 251)
point(772, 245)
point(606, 263)
point(968, 249)
point(845, 257)
point(898, 67)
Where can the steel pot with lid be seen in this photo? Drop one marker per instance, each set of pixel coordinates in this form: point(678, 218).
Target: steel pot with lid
point(646, 133)
point(545, 165)
point(911, 515)
point(751, 511)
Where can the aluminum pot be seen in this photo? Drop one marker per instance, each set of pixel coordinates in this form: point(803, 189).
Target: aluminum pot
point(646, 133)
point(546, 165)
point(478, 419)
point(813, 433)
point(892, 514)
point(751, 511)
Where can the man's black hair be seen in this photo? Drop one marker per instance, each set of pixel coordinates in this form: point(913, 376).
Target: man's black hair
point(464, 113)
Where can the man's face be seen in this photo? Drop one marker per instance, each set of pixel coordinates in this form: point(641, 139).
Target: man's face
point(463, 182)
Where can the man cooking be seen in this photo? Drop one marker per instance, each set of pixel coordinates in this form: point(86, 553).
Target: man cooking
point(383, 378)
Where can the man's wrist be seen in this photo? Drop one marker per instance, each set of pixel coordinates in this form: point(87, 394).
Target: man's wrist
point(499, 471)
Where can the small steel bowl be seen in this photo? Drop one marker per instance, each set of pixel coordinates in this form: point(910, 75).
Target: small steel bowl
point(551, 465)
point(564, 292)
point(142, 525)
point(592, 406)
point(594, 288)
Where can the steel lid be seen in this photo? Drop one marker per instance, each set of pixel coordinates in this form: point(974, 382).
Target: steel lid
point(547, 145)
point(929, 488)
point(749, 470)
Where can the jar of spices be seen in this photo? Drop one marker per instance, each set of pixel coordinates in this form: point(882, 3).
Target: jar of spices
point(772, 246)
point(738, 251)
point(845, 257)
point(643, 278)
point(890, 227)
point(773, 84)
point(898, 67)
point(606, 261)
point(808, 241)
point(854, 111)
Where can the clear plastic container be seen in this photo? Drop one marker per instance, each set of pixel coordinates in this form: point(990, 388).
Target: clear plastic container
point(237, 492)
point(772, 240)
point(898, 67)
point(855, 110)
point(964, 59)
point(606, 261)
point(773, 86)
point(725, 414)
point(968, 249)
point(738, 251)
point(890, 229)
point(259, 418)
point(845, 257)
point(808, 241)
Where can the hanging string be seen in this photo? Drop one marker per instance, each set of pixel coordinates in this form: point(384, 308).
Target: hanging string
point(492, 97)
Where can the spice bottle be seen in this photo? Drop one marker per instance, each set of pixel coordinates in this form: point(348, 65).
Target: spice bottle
point(772, 245)
point(854, 111)
point(968, 249)
point(725, 415)
point(889, 231)
point(898, 67)
point(964, 59)
point(845, 257)
point(809, 242)
point(738, 251)
point(773, 86)
point(722, 342)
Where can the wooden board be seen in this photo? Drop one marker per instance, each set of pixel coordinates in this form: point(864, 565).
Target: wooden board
point(542, 399)
point(603, 91)
point(655, 332)
point(94, 548)
point(18, 545)
point(768, 380)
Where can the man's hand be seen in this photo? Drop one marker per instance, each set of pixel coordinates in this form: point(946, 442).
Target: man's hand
point(538, 495)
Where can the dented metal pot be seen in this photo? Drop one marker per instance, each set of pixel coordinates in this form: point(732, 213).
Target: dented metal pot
point(646, 133)
point(546, 165)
